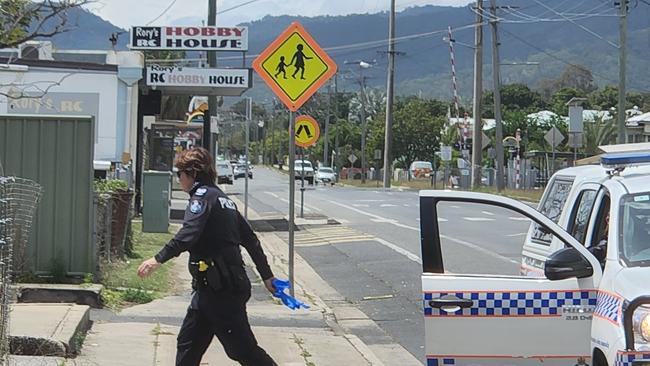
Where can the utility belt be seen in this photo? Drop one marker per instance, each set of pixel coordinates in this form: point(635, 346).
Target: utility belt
point(218, 275)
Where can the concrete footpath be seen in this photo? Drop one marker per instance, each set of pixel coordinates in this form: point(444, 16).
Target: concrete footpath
point(146, 334)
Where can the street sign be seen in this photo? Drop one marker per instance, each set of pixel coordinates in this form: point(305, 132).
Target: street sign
point(575, 139)
point(445, 153)
point(554, 137)
point(307, 131)
point(352, 158)
point(294, 66)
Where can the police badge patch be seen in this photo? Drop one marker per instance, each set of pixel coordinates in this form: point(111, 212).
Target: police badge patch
point(196, 206)
point(201, 191)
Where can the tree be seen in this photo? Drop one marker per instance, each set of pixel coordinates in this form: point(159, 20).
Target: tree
point(605, 98)
point(514, 97)
point(24, 20)
point(598, 133)
point(577, 77)
point(562, 96)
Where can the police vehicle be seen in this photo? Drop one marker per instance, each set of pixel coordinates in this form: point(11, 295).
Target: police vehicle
point(583, 296)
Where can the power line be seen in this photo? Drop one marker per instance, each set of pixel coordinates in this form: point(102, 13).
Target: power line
point(237, 6)
point(164, 11)
point(579, 25)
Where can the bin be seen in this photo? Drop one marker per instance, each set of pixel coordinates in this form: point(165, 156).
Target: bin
point(156, 194)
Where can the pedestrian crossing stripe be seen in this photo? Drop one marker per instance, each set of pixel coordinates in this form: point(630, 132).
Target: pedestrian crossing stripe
point(328, 236)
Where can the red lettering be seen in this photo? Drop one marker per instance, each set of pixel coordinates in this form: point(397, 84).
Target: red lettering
point(223, 32)
point(174, 31)
point(238, 32)
point(192, 31)
point(207, 32)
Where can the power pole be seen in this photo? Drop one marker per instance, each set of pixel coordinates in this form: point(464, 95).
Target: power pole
point(364, 124)
point(497, 95)
point(326, 143)
point(477, 144)
point(622, 57)
point(212, 100)
point(336, 119)
point(388, 136)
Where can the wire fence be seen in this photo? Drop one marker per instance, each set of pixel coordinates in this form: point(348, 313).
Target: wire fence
point(18, 200)
point(113, 212)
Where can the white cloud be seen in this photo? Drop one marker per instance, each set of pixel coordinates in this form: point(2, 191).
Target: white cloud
point(126, 13)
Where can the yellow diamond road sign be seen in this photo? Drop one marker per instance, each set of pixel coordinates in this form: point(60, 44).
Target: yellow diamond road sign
point(294, 66)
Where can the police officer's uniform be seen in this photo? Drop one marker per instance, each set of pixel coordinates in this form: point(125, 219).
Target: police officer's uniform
point(212, 231)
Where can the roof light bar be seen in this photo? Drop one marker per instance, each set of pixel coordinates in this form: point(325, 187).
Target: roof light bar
point(620, 161)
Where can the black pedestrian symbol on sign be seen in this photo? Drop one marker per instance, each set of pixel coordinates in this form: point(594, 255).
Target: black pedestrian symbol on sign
point(280, 68)
point(303, 128)
point(299, 57)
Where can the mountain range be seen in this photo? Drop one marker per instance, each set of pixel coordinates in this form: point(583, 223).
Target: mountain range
point(548, 34)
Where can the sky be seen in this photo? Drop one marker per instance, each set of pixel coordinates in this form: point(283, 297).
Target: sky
point(127, 13)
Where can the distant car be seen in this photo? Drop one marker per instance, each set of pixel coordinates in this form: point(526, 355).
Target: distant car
point(304, 170)
point(224, 172)
point(325, 175)
point(420, 169)
point(240, 171)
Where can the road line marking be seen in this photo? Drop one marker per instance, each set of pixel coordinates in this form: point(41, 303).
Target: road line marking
point(478, 219)
point(487, 213)
point(454, 206)
point(360, 205)
point(400, 250)
point(376, 217)
point(518, 234)
point(387, 205)
point(479, 248)
point(272, 194)
point(519, 218)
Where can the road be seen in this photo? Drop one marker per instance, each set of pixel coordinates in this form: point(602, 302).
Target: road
point(373, 257)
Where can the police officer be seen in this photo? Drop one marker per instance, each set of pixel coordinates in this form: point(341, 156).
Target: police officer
point(213, 229)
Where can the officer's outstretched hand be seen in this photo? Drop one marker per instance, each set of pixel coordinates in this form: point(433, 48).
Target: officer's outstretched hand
point(269, 284)
point(148, 267)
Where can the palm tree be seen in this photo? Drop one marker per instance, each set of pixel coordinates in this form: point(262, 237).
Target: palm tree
point(597, 133)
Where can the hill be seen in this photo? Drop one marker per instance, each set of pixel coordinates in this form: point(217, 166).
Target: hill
point(534, 31)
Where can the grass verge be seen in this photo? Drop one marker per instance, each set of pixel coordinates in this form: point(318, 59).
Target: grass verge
point(122, 285)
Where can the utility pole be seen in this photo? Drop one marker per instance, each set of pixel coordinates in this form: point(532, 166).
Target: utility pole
point(388, 136)
point(336, 119)
point(622, 57)
point(326, 143)
point(477, 144)
point(497, 95)
point(212, 100)
point(364, 123)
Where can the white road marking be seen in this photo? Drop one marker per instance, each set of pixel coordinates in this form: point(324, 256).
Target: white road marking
point(400, 250)
point(376, 217)
point(487, 213)
point(478, 219)
point(479, 248)
point(519, 218)
point(407, 205)
point(454, 206)
point(369, 200)
point(360, 205)
point(514, 235)
point(272, 194)
point(387, 205)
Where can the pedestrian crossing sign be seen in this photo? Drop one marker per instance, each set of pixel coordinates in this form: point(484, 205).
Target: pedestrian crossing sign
point(294, 66)
point(307, 131)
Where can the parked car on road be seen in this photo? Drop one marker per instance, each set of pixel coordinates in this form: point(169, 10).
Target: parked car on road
point(240, 171)
point(420, 169)
point(224, 172)
point(325, 175)
point(304, 170)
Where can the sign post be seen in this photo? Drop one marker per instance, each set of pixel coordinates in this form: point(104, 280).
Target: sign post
point(294, 66)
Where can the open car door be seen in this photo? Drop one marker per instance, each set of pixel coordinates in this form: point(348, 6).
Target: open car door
point(501, 320)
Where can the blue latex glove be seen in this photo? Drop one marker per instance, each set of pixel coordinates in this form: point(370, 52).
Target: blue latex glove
point(288, 300)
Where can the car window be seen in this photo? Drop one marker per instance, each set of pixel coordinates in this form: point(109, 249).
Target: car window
point(552, 206)
point(581, 214)
point(635, 229)
point(325, 170)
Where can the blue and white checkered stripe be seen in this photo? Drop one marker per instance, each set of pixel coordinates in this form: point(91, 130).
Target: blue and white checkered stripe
point(513, 304)
point(440, 361)
point(626, 358)
point(608, 307)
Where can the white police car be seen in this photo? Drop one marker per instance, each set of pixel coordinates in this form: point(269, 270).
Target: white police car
point(567, 307)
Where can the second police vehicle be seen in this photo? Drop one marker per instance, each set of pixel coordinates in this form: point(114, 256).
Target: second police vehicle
point(583, 294)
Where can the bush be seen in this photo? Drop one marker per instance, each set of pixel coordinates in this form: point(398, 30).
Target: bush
point(109, 186)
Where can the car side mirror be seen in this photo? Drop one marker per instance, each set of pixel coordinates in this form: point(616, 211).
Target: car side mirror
point(567, 263)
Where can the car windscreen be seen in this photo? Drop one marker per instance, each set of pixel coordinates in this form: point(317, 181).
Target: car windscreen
point(634, 226)
point(325, 170)
point(421, 165)
point(305, 164)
